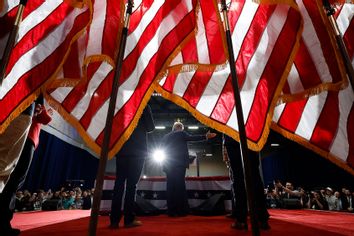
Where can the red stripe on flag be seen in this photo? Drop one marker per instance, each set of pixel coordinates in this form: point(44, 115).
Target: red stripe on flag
point(72, 69)
point(327, 125)
point(291, 115)
point(189, 52)
point(36, 77)
point(196, 87)
point(80, 90)
point(125, 116)
point(271, 77)
point(38, 33)
point(210, 19)
point(306, 68)
point(130, 62)
point(348, 38)
point(225, 104)
point(250, 43)
point(111, 25)
point(350, 132)
point(324, 36)
point(138, 14)
point(235, 13)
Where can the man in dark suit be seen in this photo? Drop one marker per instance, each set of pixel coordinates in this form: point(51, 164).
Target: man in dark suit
point(175, 145)
point(129, 164)
point(239, 188)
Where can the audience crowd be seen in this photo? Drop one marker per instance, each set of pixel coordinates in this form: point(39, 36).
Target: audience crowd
point(65, 199)
point(287, 197)
point(277, 196)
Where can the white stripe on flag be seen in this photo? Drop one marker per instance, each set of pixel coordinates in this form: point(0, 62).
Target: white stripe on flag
point(260, 58)
point(127, 89)
point(203, 55)
point(97, 26)
point(310, 115)
point(8, 6)
point(313, 44)
point(242, 26)
point(182, 82)
point(39, 53)
point(99, 76)
point(340, 145)
point(135, 36)
point(212, 92)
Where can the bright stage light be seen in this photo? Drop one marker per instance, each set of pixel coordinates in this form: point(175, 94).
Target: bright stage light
point(159, 155)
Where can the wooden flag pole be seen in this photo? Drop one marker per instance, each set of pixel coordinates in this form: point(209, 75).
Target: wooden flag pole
point(109, 123)
point(11, 40)
point(339, 38)
point(248, 178)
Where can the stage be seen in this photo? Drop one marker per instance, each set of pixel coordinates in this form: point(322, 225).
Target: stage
point(283, 222)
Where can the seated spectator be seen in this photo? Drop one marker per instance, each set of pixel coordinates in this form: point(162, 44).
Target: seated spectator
point(289, 198)
point(56, 195)
point(347, 201)
point(330, 198)
point(67, 201)
point(78, 201)
point(18, 204)
point(272, 200)
point(317, 202)
point(338, 201)
point(86, 200)
point(27, 201)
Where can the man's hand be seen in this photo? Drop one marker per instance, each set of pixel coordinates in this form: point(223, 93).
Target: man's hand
point(210, 135)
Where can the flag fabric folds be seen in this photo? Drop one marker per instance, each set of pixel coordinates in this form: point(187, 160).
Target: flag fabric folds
point(156, 30)
point(45, 35)
point(325, 122)
point(265, 38)
point(318, 65)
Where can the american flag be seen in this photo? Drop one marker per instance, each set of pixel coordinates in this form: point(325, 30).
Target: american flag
point(318, 65)
point(265, 38)
point(45, 35)
point(325, 122)
point(156, 30)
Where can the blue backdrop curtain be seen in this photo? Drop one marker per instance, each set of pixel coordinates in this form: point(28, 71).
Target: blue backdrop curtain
point(56, 161)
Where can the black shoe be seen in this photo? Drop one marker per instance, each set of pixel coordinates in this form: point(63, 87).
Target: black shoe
point(134, 223)
point(231, 216)
point(113, 226)
point(239, 225)
point(10, 232)
point(264, 225)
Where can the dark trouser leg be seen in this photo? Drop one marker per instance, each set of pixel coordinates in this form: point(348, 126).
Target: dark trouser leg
point(181, 197)
point(260, 202)
point(171, 191)
point(15, 182)
point(135, 167)
point(121, 175)
point(238, 184)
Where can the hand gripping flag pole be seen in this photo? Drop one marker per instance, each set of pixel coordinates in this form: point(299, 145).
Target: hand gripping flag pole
point(339, 38)
point(11, 40)
point(108, 128)
point(241, 125)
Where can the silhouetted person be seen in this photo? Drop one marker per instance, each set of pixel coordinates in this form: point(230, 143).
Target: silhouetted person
point(239, 188)
point(129, 164)
point(18, 176)
point(175, 145)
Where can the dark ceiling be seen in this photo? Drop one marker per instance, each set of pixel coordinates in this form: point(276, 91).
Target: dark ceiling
point(166, 113)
